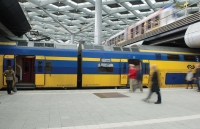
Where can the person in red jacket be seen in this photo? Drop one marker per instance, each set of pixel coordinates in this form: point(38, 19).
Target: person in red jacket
point(132, 76)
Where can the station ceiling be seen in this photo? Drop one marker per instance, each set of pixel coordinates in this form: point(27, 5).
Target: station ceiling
point(78, 17)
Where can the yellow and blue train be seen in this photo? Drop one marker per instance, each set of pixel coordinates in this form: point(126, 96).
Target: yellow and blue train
point(85, 68)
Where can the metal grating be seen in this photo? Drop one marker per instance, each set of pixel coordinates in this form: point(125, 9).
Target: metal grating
point(88, 47)
point(180, 23)
point(38, 44)
point(134, 49)
point(98, 47)
point(22, 44)
point(117, 49)
point(126, 49)
point(110, 95)
point(49, 45)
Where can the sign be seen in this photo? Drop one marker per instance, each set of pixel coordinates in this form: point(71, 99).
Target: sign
point(191, 67)
point(105, 60)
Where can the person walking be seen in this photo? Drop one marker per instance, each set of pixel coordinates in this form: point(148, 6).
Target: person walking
point(155, 85)
point(10, 78)
point(132, 76)
point(139, 79)
point(197, 76)
point(189, 78)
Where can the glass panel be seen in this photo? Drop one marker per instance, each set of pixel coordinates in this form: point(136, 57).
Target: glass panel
point(189, 58)
point(124, 68)
point(26, 66)
point(146, 71)
point(105, 68)
point(173, 57)
point(39, 66)
point(8, 63)
point(48, 67)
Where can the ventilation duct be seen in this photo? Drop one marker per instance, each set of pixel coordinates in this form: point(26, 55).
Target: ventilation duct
point(192, 36)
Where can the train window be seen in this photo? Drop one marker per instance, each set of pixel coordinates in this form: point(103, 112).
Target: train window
point(189, 58)
point(105, 68)
point(118, 40)
point(132, 33)
point(157, 21)
point(122, 37)
point(124, 68)
point(26, 66)
point(136, 32)
point(149, 24)
point(39, 66)
point(8, 63)
point(173, 57)
point(146, 68)
point(48, 67)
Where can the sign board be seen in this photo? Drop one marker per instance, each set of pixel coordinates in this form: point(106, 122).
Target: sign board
point(105, 60)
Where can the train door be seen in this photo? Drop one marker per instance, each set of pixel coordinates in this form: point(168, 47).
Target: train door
point(124, 71)
point(26, 70)
point(145, 72)
point(39, 71)
point(9, 60)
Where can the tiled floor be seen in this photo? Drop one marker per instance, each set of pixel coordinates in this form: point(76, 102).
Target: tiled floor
point(81, 109)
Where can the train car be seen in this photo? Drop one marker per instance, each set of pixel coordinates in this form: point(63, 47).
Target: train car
point(110, 68)
point(39, 67)
point(117, 38)
point(93, 66)
point(163, 16)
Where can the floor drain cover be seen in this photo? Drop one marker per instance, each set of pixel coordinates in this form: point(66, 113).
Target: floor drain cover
point(110, 95)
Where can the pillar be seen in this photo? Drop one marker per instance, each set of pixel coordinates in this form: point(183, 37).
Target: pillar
point(98, 22)
point(72, 39)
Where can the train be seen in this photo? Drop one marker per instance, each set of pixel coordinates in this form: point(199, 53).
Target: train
point(94, 66)
point(162, 17)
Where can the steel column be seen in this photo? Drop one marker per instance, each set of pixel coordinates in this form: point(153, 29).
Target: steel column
point(98, 22)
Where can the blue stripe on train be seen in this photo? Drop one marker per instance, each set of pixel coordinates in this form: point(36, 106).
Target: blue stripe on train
point(59, 67)
point(118, 55)
point(13, 50)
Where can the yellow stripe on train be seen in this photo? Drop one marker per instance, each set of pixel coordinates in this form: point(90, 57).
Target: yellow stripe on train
point(57, 80)
point(56, 58)
point(99, 80)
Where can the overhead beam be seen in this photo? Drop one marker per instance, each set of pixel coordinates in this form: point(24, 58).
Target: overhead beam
point(132, 11)
point(56, 20)
point(150, 5)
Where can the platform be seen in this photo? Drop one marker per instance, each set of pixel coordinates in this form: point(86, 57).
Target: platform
point(106, 109)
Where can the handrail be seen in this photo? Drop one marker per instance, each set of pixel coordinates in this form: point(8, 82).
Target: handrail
point(20, 72)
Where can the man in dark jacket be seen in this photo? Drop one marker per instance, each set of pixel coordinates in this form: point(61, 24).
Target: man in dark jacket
point(197, 76)
point(155, 86)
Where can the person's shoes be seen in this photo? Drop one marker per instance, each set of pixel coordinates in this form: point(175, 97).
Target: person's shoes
point(157, 103)
point(191, 87)
point(198, 91)
point(186, 88)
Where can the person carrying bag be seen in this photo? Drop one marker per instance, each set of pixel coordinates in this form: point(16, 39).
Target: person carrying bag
point(10, 78)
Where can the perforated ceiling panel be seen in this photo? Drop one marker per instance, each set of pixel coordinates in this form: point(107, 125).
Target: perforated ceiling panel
point(78, 16)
